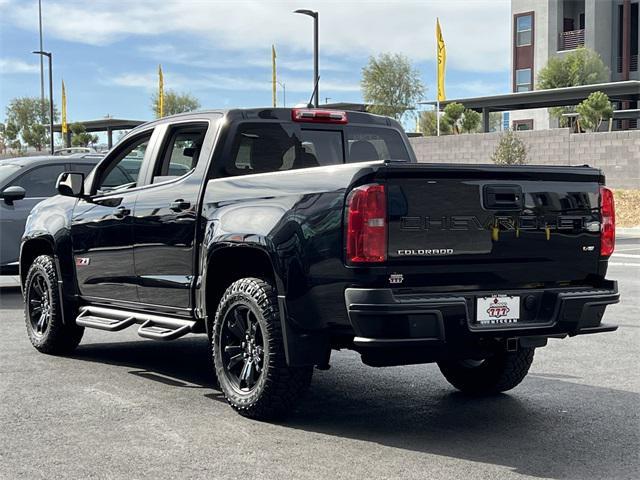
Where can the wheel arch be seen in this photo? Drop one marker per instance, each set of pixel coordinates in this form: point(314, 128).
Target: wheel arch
point(45, 244)
point(228, 263)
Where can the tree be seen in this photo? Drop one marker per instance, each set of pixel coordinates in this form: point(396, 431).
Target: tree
point(495, 121)
point(595, 108)
point(3, 138)
point(470, 121)
point(427, 124)
point(391, 85)
point(175, 102)
point(26, 121)
point(453, 116)
point(510, 150)
point(580, 67)
point(80, 137)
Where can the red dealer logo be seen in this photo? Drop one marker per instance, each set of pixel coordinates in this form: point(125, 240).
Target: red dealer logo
point(498, 309)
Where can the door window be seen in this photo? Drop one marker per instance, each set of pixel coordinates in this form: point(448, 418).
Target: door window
point(181, 152)
point(123, 170)
point(40, 182)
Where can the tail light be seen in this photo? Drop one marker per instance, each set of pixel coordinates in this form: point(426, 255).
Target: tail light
point(367, 224)
point(608, 228)
point(318, 116)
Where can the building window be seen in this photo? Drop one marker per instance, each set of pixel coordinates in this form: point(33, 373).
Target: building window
point(523, 80)
point(524, 30)
point(519, 125)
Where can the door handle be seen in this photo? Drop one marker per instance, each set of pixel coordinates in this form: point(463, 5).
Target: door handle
point(121, 212)
point(179, 205)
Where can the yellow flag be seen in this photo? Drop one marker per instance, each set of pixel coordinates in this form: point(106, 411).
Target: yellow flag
point(442, 60)
point(273, 75)
point(160, 92)
point(64, 127)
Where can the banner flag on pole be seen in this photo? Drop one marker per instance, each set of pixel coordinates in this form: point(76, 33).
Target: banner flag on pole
point(160, 92)
point(64, 127)
point(442, 60)
point(273, 76)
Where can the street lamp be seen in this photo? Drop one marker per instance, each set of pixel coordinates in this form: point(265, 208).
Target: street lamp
point(284, 92)
point(316, 74)
point(49, 56)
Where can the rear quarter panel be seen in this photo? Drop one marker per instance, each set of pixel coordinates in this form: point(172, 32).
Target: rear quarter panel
point(297, 218)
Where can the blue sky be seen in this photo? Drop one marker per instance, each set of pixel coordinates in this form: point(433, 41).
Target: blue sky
point(108, 51)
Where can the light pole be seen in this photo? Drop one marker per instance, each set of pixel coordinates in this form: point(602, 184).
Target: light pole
point(284, 92)
point(316, 73)
point(49, 56)
point(41, 60)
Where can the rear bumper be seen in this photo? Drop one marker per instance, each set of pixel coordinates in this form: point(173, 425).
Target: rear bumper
point(384, 318)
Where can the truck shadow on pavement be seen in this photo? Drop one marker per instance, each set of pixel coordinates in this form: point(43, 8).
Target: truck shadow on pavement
point(548, 427)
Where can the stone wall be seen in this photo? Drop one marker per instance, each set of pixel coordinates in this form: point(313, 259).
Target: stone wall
point(616, 153)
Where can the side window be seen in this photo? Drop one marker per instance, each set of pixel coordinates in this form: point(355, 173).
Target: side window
point(122, 171)
point(272, 147)
point(40, 181)
point(82, 167)
point(181, 152)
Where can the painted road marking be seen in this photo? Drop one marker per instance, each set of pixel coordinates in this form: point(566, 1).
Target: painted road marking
point(626, 255)
point(616, 264)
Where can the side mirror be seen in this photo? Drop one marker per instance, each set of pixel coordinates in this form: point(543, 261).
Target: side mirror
point(13, 193)
point(71, 184)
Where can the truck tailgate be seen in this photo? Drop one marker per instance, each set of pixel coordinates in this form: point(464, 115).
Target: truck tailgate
point(486, 224)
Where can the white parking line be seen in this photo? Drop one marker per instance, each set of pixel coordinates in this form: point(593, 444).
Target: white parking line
point(616, 264)
point(626, 255)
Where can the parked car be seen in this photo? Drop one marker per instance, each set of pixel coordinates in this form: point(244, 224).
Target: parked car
point(73, 150)
point(299, 231)
point(25, 181)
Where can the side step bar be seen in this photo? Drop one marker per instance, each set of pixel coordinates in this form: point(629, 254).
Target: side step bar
point(155, 327)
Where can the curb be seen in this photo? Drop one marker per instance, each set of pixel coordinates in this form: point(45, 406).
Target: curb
point(628, 232)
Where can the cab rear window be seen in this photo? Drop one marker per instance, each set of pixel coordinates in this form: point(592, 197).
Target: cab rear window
point(271, 147)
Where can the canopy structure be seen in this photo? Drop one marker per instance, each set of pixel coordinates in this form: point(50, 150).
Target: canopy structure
point(627, 91)
point(108, 125)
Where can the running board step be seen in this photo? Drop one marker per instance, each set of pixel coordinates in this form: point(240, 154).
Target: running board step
point(108, 324)
point(155, 327)
point(156, 331)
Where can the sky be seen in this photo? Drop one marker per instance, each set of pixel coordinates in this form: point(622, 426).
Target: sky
point(108, 52)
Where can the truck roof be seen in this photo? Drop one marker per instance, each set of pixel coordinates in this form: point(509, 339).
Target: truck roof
point(266, 114)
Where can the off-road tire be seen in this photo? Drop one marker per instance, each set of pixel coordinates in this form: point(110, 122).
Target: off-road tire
point(496, 374)
point(279, 387)
point(57, 337)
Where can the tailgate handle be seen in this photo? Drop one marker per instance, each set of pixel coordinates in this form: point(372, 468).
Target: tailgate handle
point(503, 197)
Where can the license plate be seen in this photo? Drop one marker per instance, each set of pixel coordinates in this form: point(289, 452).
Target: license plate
point(498, 309)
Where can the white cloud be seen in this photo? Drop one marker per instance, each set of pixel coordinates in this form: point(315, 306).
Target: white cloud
point(12, 65)
point(149, 81)
point(476, 31)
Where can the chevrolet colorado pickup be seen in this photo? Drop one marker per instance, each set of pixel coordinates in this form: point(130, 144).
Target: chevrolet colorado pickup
point(289, 233)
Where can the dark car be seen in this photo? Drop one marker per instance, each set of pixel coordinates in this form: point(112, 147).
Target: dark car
point(294, 232)
point(24, 182)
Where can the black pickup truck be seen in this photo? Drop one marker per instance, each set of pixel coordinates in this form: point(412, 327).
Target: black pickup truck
point(289, 233)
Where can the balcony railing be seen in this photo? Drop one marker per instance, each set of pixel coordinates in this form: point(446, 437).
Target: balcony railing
point(633, 64)
point(571, 39)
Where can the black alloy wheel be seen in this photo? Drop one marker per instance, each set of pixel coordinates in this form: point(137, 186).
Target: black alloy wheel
point(39, 304)
point(46, 326)
point(242, 348)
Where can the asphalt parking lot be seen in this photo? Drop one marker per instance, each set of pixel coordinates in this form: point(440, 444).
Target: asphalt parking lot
point(127, 407)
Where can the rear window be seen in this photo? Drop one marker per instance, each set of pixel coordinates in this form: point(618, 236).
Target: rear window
point(367, 143)
point(271, 147)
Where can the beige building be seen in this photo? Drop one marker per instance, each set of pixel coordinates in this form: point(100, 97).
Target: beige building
point(541, 29)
